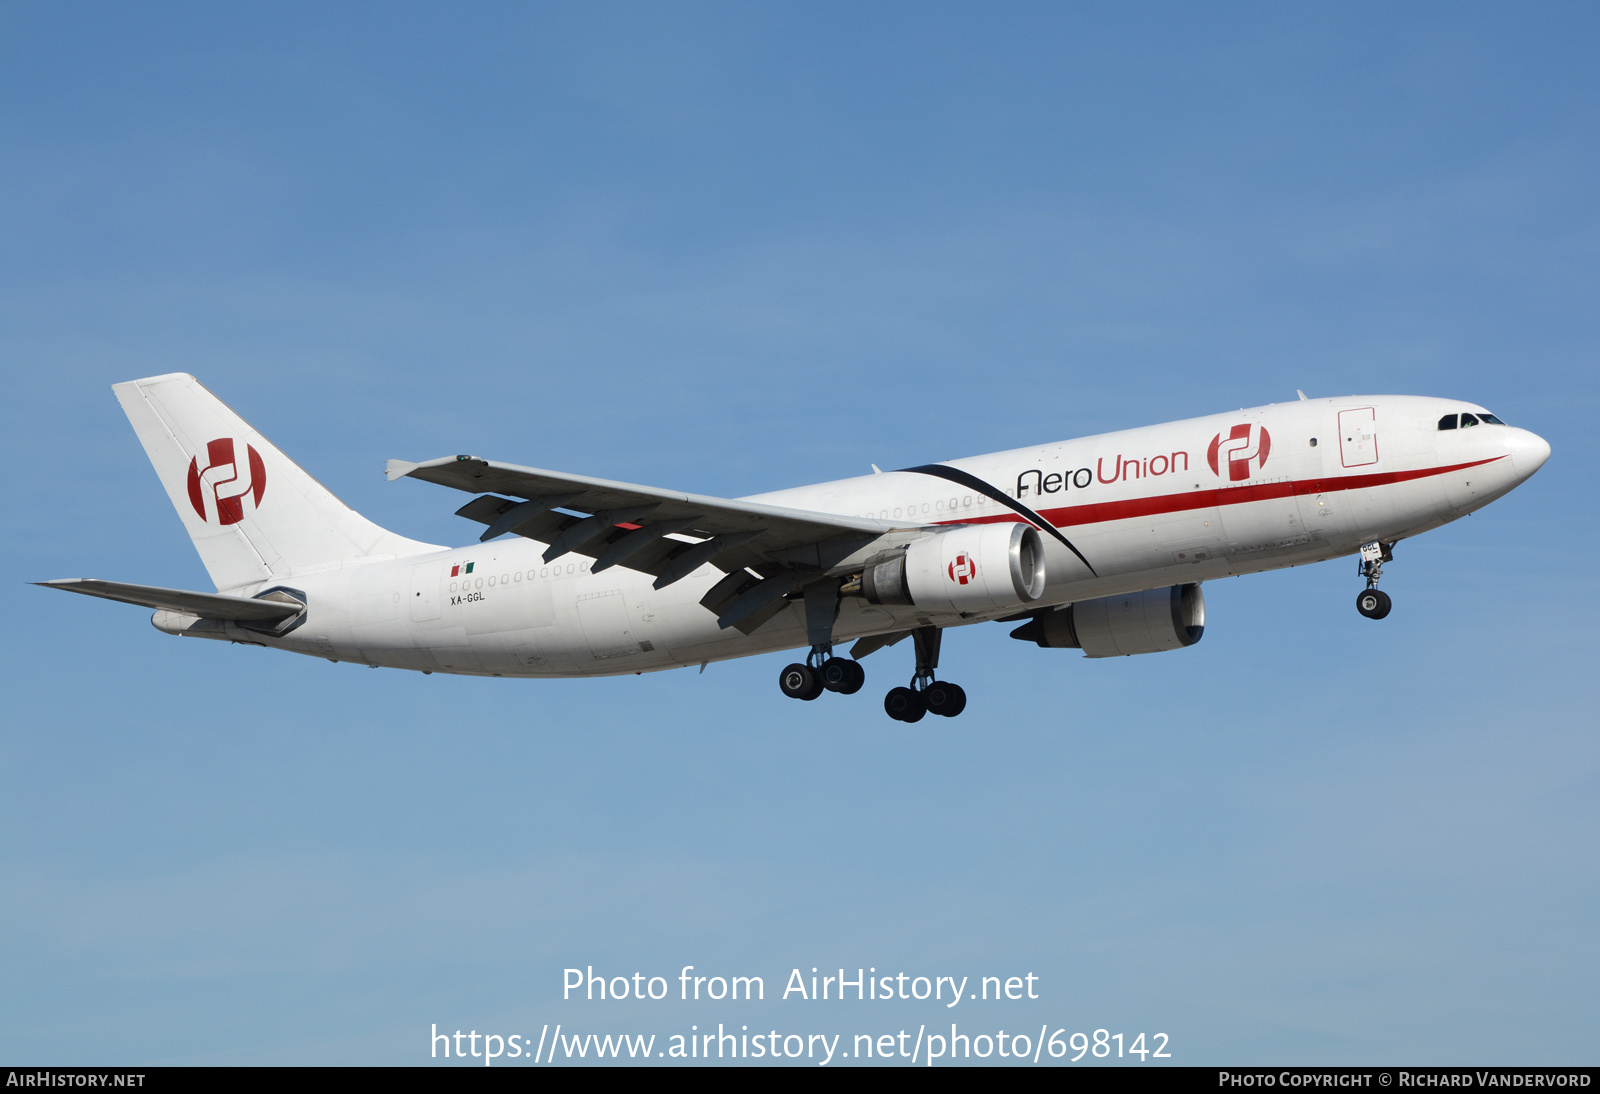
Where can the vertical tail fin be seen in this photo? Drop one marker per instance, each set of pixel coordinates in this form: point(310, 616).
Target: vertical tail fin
point(252, 512)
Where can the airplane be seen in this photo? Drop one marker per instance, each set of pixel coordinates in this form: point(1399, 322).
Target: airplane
point(1099, 544)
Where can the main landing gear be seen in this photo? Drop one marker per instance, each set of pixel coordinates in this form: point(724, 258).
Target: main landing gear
point(925, 695)
point(822, 672)
point(1371, 602)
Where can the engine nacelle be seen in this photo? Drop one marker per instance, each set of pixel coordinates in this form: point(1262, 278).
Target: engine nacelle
point(971, 568)
point(1117, 626)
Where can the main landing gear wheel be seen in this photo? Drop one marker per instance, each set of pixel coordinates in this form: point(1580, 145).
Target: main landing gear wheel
point(1373, 604)
point(944, 698)
point(905, 705)
point(925, 695)
point(800, 682)
point(842, 675)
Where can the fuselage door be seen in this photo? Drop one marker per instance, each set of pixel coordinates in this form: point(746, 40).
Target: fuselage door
point(426, 595)
point(1358, 436)
point(604, 619)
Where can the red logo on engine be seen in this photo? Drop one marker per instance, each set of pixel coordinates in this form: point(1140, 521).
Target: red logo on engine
point(1244, 445)
point(217, 490)
point(963, 569)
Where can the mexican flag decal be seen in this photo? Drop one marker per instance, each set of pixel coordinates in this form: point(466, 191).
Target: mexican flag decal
point(457, 570)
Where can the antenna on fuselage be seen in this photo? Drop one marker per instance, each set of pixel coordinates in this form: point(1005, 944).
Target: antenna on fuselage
point(1302, 395)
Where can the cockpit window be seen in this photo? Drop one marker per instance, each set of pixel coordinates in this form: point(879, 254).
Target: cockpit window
point(1447, 422)
point(1468, 419)
point(1490, 419)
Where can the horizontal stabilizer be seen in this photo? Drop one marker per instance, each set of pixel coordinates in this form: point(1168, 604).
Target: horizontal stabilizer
point(239, 609)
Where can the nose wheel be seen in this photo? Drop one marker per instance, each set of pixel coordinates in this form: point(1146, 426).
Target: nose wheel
point(1371, 602)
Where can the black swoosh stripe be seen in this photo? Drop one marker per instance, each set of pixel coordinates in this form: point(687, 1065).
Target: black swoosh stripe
point(972, 482)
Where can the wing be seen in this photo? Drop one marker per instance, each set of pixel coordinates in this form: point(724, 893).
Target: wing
point(666, 533)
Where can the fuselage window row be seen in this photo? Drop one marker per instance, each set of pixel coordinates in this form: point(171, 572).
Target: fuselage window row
point(506, 579)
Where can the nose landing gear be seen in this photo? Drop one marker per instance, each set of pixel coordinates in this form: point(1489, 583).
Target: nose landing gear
point(925, 695)
point(1371, 602)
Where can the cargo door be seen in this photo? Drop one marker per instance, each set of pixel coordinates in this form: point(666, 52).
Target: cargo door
point(604, 619)
point(1358, 437)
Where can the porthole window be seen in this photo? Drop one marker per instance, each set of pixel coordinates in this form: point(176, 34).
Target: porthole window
point(583, 567)
point(924, 507)
point(480, 583)
point(504, 578)
point(544, 571)
point(491, 581)
point(1313, 442)
point(519, 575)
point(938, 504)
point(967, 501)
point(532, 574)
point(897, 512)
point(952, 503)
point(452, 586)
point(571, 567)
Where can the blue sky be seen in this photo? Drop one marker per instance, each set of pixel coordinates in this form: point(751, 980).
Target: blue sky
point(732, 249)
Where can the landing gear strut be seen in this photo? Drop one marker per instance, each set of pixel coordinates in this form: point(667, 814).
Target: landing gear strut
point(925, 695)
point(822, 671)
point(1371, 602)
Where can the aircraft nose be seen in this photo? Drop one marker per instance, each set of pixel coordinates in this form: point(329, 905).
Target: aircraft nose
point(1528, 451)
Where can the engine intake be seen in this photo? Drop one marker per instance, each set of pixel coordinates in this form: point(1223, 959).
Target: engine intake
point(1118, 626)
point(971, 568)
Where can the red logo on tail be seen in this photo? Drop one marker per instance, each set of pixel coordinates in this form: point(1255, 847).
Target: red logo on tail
point(222, 485)
point(1244, 445)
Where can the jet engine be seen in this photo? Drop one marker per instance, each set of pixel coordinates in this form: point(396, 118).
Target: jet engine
point(1116, 626)
point(970, 568)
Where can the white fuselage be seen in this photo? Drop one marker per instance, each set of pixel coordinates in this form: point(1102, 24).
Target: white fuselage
point(1294, 483)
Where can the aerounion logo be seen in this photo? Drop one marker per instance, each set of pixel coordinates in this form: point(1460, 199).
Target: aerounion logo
point(1244, 445)
point(233, 471)
point(963, 570)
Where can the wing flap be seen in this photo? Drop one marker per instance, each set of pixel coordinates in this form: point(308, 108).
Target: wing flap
point(666, 533)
